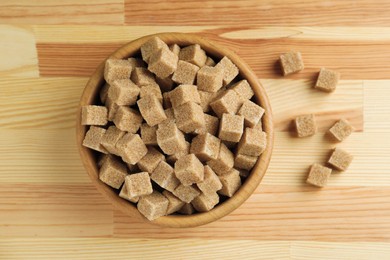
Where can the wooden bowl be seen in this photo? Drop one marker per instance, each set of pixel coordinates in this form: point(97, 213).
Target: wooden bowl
point(89, 157)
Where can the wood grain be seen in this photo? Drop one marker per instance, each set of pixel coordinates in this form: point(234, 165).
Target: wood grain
point(376, 108)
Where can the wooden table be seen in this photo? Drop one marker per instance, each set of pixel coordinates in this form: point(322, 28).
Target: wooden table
point(48, 207)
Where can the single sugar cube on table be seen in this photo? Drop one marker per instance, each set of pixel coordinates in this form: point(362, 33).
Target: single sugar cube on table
point(231, 127)
point(224, 161)
point(151, 46)
point(229, 102)
point(150, 161)
point(148, 134)
point(163, 63)
point(151, 110)
point(187, 209)
point(117, 69)
point(127, 119)
point(123, 92)
point(131, 148)
point(205, 202)
point(125, 195)
point(305, 125)
point(94, 115)
point(230, 70)
point(183, 94)
point(151, 89)
point(142, 77)
point(243, 89)
point(169, 138)
point(165, 177)
point(186, 193)
point(153, 206)
point(245, 162)
point(185, 73)
point(291, 62)
point(113, 173)
point(341, 130)
point(210, 183)
point(93, 139)
point(189, 170)
point(251, 112)
point(138, 184)
point(231, 182)
point(209, 79)
point(175, 203)
point(318, 175)
point(211, 125)
point(253, 142)
point(193, 54)
point(110, 138)
point(205, 147)
point(189, 117)
point(340, 159)
point(327, 80)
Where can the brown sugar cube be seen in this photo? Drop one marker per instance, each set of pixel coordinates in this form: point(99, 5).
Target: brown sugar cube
point(189, 170)
point(193, 54)
point(245, 162)
point(341, 130)
point(104, 92)
point(102, 159)
point(209, 79)
point(113, 173)
point(259, 126)
point(131, 148)
point(141, 77)
point(151, 110)
point(153, 206)
point(169, 138)
point(175, 49)
point(167, 100)
point(186, 193)
point(163, 63)
point(224, 162)
point(125, 195)
point(209, 62)
point(148, 134)
point(112, 108)
point(117, 69)
point(251, 112)
point(170, 115)
point(291, 62)
point(151, 46)
point(340, 159)
point(305, 125)
point(110, 138)
point(229, 102)
point(164, 176)
point(132, 168)
point(318, 175)
point(175, 204)
point(206, 98)
point(231, 127)
point(185, 73)
point(183, 94)
point(231, 182)
point(93, 115)
point(127, 119)
point(210, 183)
point(243, 173)
point(166, 84)
point(138, 184)
point(174, 157)
point(205, 147)
point(211, 125)
point(150, 161)
point(252, 143)
point(93, 139)
point(189, 117)
point(243, 89)
point(151, 89)
point(230, 71)
point(187, 209)
point(327, 80)
point(136, 63)
point(205, 202)
point(123, 92)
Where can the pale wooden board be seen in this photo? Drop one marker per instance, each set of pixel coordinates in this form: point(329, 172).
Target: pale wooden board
point(376, 106)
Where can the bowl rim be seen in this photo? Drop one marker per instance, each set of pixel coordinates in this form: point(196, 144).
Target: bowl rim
point(90, 94)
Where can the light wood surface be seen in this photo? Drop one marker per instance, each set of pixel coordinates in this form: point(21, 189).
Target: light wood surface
point(50, 210)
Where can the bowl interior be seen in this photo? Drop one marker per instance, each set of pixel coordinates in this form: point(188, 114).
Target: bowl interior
point(89, 157)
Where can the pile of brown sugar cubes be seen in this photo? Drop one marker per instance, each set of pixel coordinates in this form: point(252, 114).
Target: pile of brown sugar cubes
point(178, 131)
point(305, 125)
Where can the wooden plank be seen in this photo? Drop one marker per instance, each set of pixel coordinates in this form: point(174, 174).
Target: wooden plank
point(18, 50)
point(252, 12)
point(48, 103)
point(64, 12)
point(288, 213)
point(290, 98)
point(46, 210)
point(376, 106)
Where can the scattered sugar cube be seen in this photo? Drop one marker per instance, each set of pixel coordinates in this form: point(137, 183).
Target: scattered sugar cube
point(165, 177)
point(175, 49)
point(253, 142)
point(93, 115)
point(205, 202)
point(230, 70)
point(93, 139)
point(150, 47)
point(340, 159)
point(189, 117)
point(231, 182)
point(117, 69)
point(186, 193)
point(193, 54)
point(305, 125)
point(341, 130)
point(142, 76)
point(175, 203)
point(123, 92)
point(153, 206)
point(131, 148)
point(110, 138)
point(113, 173)
point(125, 195)
point(224, 162)
point(151, 110)
point(148, 134)
point(163, 63)
point(318, 175)
point(205, 147)
point(187, 209)
point(291, 62)
point(243, 89)
point(104, 92)
point(136, 63)
point(166, 84)
point(138, 184)
point(231, 127)
point(210, 183)
point(251, 112)
point(151, 89)
point(149, 162)
point(211, 125)
point(229, 102)
point(245, 162)
point(209, 79)
point(327, 80)
point(170, 138)
point(127, 119)
point(189, 170)
point(185, 73)
point(174, 157)
point(210, 62)
point(183, 94)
